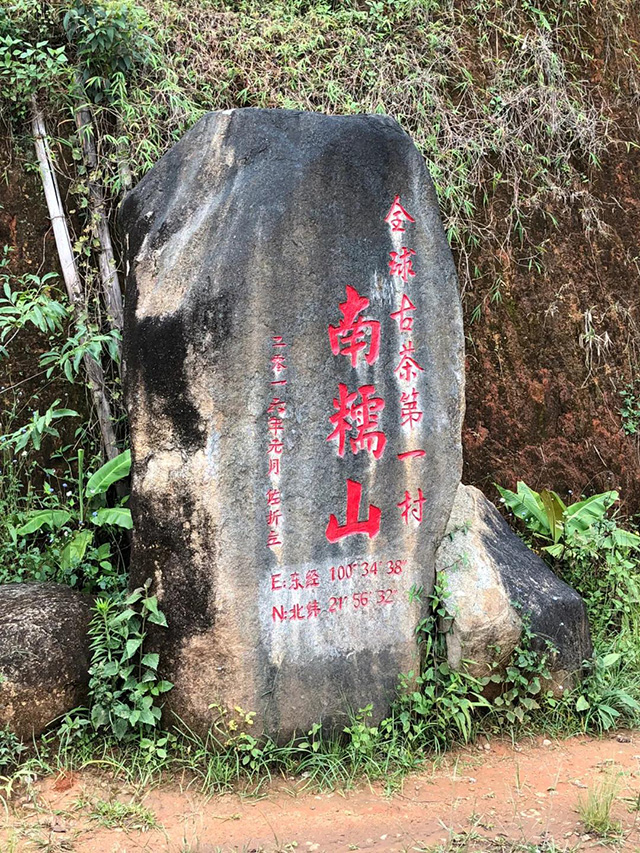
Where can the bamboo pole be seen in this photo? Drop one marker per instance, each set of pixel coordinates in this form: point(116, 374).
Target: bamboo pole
point(71, 276)
point(106, 258)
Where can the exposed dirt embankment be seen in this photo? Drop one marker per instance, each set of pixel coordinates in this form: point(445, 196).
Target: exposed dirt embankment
point(545, 366)
point(28, 248)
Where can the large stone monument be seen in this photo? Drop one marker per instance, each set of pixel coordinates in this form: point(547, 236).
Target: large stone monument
point(294, 379)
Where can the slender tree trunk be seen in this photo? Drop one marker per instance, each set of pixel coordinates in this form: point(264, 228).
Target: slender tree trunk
point(71, 277)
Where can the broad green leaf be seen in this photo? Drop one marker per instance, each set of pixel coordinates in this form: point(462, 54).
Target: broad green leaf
point(151, 603)
point(610, 659)
point(627, 700)
point(117, 516)
point(74, 550)
point(582, 515)
point(50, 518)
point(147, 717)
point(136, 595)
point(555, 550)
point(527, 506)
point(608, 713)
point(152, 659)
point(582, 704)
point(623, 539)
point(99, 716)
point(554, 508)
point(109, 473)
point(120, 727)
point(132, 647)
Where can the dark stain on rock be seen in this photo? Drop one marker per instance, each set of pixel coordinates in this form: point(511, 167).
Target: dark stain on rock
point(169, 549)
point(157, 352)
point(215, 314)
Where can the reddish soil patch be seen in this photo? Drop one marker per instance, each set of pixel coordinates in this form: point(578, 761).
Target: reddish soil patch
point(501, 798)
point(547, 363)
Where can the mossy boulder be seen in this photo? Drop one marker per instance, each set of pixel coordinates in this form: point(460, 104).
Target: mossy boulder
point(44, 654)
point(495, 582)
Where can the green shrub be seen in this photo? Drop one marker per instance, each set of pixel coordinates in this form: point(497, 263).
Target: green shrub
point(11, 750)
point(591, 552)
point(124, 687)
point(598, 558)
point(60, 540)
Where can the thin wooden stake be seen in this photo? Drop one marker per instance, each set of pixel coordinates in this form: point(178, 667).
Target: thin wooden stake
point(71, 277)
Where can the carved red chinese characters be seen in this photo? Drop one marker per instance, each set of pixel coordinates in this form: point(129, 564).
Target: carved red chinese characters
point(359, 417)
point(412, 506)
point(401, 264)
point(370, 526)
point(353, 334)
point(275, 447)
point(397, 215)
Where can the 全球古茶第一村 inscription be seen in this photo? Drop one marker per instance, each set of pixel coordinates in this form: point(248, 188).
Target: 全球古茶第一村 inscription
point(294, 380)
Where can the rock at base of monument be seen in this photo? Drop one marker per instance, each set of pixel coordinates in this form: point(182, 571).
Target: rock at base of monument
point(44, 654)
point(488, 569)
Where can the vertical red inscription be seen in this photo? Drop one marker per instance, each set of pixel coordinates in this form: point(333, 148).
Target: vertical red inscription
point(412, 506)
point(369, 527)
point(397, 215)
point(349, 338)
point(361, 417)
point(404, 315)
point(401, 264)
point(408, 369)
point(352, 336)
point(275, 449)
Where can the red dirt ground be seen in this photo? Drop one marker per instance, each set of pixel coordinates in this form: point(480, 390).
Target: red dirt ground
point(495, 797)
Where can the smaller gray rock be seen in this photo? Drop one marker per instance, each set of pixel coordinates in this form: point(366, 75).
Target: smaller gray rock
point(488, 568)
point(44, 654)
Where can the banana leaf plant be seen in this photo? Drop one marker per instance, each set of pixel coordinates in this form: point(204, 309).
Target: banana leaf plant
point(548, 517)
point(87, 511)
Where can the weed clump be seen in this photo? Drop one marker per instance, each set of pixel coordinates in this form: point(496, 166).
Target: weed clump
point(595, 809)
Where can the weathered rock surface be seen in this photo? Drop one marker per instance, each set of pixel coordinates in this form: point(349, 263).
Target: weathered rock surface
point(44, 654)
point(488, 568)
point(267, 383)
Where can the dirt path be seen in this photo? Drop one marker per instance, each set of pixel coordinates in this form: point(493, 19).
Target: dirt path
point(497, 798)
